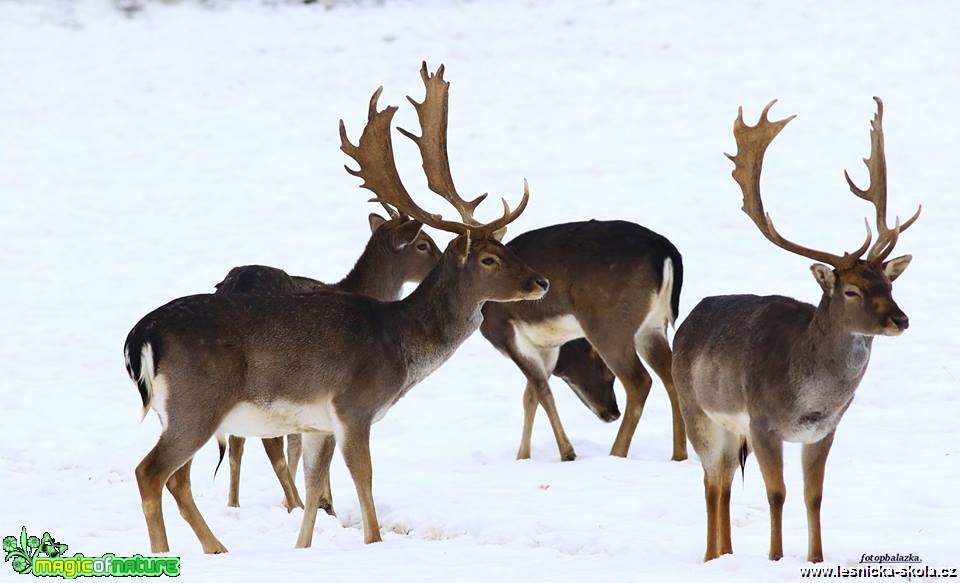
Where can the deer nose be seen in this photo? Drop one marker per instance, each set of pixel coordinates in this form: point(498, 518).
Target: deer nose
point(901, 321)
point(542, 282)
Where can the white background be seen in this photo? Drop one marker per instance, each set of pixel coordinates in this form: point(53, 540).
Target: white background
point(142, 157)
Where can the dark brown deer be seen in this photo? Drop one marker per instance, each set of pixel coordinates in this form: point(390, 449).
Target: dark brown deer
point(397, 252)
point(318, 364)
point(615, 283)
point(753, 372)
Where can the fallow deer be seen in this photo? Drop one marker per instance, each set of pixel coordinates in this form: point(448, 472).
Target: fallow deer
point(397, 252)
point(319, 364)
point(753, 372)
point(615, 283)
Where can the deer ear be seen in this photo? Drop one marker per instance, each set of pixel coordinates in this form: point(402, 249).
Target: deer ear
point(406, 234)
point(893, 268)
point(824, 276)
point(461, 246)
point(376, 221)
point(499, 234)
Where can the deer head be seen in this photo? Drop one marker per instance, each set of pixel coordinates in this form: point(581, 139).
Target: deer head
point(858, 289)
point(482, 260)
point(403, 241)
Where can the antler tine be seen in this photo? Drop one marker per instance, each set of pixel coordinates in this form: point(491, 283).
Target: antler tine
point(508, 215)
point(374, 156)
point(752, 143)
point(876, 193)
point(432, 113)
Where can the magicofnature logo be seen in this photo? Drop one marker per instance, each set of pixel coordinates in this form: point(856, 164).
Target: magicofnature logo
point(43, 557)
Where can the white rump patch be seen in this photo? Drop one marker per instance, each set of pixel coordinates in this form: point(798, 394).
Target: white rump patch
point(659, 312)
point(737, 423)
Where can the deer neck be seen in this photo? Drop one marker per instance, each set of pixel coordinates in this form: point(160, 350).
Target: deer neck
point(373, 275)
point(434, 320)
point(834, 347)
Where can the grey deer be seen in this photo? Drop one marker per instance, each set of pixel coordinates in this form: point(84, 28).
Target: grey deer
point(755, 371)
point(397, 252)
point(615, 283)
point(577, 363)
point(327, 363)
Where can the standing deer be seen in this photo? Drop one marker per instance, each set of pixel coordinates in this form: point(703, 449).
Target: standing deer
point(320, 364)
point(397, 252)
point(615, 283)
point(753, 372)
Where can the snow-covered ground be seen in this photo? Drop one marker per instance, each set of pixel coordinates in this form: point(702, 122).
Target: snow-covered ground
point(141, 157)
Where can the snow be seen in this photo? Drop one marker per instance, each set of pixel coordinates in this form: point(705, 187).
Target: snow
point(144, 155)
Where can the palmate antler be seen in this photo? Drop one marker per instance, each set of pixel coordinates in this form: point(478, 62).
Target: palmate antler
point(377, 168)
point(876, 193)
point(752, 142)
point(432, 113)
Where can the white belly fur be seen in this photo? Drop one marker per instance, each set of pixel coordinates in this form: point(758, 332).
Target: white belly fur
point(279, 418)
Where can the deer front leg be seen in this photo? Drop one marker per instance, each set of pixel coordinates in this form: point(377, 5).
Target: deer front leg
point(235, 453)
point(530, 404)
point(769, 451)
point(814, 458)
point(355, 446)
point(274, 448)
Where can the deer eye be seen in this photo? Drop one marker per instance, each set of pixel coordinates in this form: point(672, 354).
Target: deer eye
point(851, 294)
point(423, 246)
point(488, 261)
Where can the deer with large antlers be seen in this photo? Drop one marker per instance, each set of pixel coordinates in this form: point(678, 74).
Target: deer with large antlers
point(328, 363)
point(753, 372)
point(397, 252)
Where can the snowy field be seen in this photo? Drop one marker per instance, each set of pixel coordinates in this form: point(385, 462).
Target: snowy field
point(143, 155)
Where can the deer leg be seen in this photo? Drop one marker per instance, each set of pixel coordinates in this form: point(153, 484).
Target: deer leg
point(636, 382)
point(318, 452)
point(530, 403)
point(294, 449)
point(537, 364)
point(325, 458)
point(656, 351)
point(179, 486)
point(235, 452)
point(814, 457)
point(274, 448)
point(769, 451)
point(355, 447)
point(173, 450)
point(718, 450)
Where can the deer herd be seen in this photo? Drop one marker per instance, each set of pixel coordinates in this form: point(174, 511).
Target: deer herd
point(278, 356)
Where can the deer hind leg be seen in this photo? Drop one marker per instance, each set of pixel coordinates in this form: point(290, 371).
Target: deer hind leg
point(769, 451)
point(179, 486)
point(172, 451)
point(274, 448)
point(318, 453)
point(294, 449)
point(653, 347)
point(235, 453)
point(619, 352)
point(814, 458)
point(718, 450)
